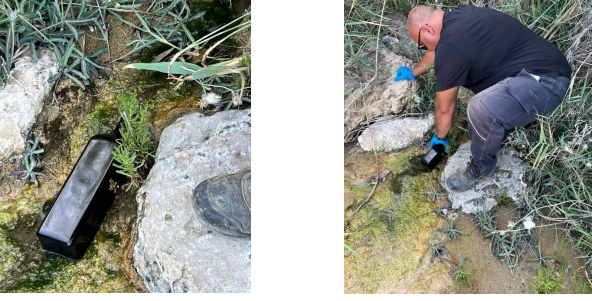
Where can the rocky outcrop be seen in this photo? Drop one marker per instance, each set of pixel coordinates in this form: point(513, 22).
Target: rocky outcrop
point(21, 99)
point(174, 253)
point(383, 96)
point(505, 185)
point(395, 134)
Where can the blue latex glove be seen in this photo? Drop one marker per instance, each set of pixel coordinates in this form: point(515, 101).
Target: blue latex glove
point(404, 73)
point(445, 142)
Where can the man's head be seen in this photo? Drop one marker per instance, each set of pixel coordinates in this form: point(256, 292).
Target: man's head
point(428, 21)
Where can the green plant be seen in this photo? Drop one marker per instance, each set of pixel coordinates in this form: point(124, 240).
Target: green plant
point(347, 246)
point(63, 26)
point(31, 160)
point(435, 193)
point(558, 254)
point(502, 198)
point(452, 232)
point(547, 281)
point(581, 286)
point(463, 273)
point(135, 148)
point(438, 250)
point(231, 76)
point(113, 186)
point(59, 25)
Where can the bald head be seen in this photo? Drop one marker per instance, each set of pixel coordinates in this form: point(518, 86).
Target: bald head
point(429, 21)
point(419, 15)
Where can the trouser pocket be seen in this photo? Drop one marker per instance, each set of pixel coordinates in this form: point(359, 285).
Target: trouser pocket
point(532, 96)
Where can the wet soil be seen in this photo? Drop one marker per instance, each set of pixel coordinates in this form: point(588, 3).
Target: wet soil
point(376, 251)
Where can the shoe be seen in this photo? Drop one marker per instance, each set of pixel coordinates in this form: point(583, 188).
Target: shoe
point(223, 204)
point(467, 178)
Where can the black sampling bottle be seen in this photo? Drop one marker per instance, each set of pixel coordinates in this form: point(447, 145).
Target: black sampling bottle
point(434, 156)
point(83, 201)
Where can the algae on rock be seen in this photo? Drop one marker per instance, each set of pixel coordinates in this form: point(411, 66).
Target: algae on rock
point(390, 233)
point(25, 267)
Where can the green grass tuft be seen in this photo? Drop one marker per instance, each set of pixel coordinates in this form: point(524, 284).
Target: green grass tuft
point(547, 281)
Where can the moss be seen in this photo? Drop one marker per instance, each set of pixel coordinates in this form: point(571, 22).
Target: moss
point(25, 267)
point(9, 251)
point(399, 229)
point(100, 121)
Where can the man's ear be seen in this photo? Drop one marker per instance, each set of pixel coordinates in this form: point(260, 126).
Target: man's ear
point(427, 28)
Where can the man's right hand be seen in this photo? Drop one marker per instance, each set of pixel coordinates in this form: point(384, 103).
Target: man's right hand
point(404, 73)
point(445, 142)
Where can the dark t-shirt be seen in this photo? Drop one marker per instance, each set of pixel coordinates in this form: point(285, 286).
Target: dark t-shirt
point(479, 47)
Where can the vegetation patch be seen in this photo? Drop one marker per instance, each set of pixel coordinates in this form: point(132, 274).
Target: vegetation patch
point(134, 153)
point(463, 275)
point(390, 233)
point(547, 281)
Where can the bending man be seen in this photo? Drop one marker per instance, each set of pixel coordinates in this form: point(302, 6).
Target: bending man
point(514, 73)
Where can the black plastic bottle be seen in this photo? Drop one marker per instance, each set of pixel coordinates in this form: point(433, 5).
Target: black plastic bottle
point(434, 156)
point(83, 202)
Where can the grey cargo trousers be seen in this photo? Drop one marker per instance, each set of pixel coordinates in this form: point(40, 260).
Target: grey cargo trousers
point(515, 101)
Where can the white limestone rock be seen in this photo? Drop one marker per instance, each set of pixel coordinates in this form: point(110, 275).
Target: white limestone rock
point(174, 253)
point(21, 99)
point(507, 179)
point(396, 134)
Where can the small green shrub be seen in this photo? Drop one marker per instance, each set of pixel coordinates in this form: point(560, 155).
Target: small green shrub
point(452, 232)
point(135, 148)
point(464, 273)
point(581, 286)
point(558, 254)
point(502, 199)
point(547, 281)
point(31, 161)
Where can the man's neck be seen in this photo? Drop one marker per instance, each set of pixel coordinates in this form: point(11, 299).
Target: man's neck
point(436, 20)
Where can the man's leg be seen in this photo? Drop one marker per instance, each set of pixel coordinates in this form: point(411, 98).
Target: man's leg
point(486, 134)
point(496, 111)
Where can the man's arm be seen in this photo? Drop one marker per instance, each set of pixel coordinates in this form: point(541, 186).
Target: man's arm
point(426, 63)
point(445, 104)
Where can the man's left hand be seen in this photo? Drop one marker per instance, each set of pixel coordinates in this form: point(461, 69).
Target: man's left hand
point(404, 73)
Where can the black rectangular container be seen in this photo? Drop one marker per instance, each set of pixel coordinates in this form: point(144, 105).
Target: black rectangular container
point(82, 203)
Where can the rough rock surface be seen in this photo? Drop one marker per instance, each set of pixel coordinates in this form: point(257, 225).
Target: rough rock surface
point(506, 182)
point(383, 96)
point(22, 99)
point(395, 134)
point(174, 253)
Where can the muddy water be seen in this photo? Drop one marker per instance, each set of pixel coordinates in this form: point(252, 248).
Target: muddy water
point(391, 235)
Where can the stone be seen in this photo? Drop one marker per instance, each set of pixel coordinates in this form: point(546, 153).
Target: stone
point(21, 99)
point(395, 134)
point(506, 182)
point(383, 96)
point(388, 40)
point(174, 253)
